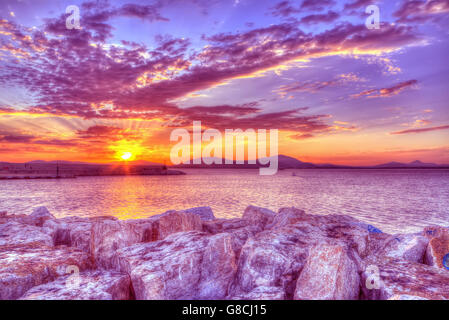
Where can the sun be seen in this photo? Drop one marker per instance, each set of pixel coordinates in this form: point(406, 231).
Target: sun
point(126, 156)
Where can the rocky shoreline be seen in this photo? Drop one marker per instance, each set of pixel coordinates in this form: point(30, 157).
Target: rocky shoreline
point(192, 255)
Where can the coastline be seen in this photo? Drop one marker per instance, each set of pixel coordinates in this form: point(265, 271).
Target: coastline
point(192, 255)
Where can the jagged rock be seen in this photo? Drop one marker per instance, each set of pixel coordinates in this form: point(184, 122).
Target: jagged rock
point(240, 229)
point(258, 216)
point(176, 221)
point(160, 226)
point(73, 231)
point(40, 215)
point(438, 247)
point(330, 273)
point(88, 285)
point(400, 277)
point(272, 259)
point(23, 267)
point(109, 236)
point(190, 265)
point(287, 216)
point(205, 213)
point(16, 234)
point(340, 227)
point(410, 247)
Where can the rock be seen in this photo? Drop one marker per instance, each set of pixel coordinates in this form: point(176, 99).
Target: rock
point(190, 265)
point(175, 221)
point(17, 234)
point(258, 216)
point(73, 231)
point(224, 225)
point(438, 249)
point(205, 213)
point(339, 227)
point(261, 293)
point(240, 229)
point(160, 226)
point(399, 277)
point(435, 231)
point(23, 267)
point(287, 216)
point(373, 229)
point(406, 297)
point(40, 215)
point(107, 237)
point(330, 273)
point(88, 285)
point(410, 247)
point(272, 259)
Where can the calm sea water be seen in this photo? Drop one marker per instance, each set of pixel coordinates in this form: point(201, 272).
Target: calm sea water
point(393, 200)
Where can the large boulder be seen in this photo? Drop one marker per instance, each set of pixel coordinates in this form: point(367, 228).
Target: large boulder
point(40, 215)
point(260, 217)
point(107, 237)
point(438, 247)
point(23, 267)
point(330, 273)
point(205, 213)
point(287, 216)
point(17, 234)
point(395, 277)
point(240, 229)
point(160, 226)
point(272, 259)
point(88, 285)
point(175, 221)
point(189, 265)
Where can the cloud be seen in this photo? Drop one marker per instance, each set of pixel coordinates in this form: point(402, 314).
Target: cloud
point(315, 86)
point(387, 92)
point(320, 18)
point(421, 11)
point(284, 9)
point(421, 130)
point(74, 73)
point(316, 5)
point(357, 4)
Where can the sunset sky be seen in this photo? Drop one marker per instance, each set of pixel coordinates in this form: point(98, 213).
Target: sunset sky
point(337, 91)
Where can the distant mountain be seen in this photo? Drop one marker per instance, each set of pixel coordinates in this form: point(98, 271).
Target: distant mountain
point(414, 164)
point(286, 162)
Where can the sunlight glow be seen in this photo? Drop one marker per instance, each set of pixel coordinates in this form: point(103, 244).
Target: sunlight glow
point(126, 156)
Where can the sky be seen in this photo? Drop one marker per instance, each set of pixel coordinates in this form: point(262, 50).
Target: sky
point(337, 91)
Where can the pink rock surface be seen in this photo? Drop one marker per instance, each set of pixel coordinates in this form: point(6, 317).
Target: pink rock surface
point(14, 233)
point(240, 229)
point(23, 267)
point(190, 265)
point(330, 273)
point(258, 216)
point(400, 277)
point(438, 246)
point(88, 285)
point(410, 247)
